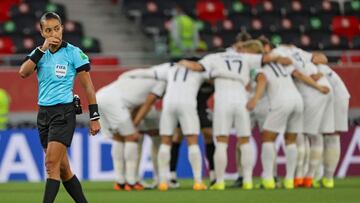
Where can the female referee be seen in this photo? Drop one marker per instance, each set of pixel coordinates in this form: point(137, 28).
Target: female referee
point(57, 63)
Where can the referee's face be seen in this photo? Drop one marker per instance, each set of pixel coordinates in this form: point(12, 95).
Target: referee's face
point(51, 28)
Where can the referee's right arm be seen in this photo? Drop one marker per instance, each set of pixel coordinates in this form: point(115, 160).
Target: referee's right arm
point(27, 68)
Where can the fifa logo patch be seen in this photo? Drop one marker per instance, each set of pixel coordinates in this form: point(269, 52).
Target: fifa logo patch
point(60, 70)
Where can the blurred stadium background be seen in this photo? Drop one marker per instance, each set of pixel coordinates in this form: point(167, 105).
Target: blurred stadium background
point(122, 34)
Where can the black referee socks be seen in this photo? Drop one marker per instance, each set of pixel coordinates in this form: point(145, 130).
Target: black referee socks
point(174, 156)
point(51, 190)
point(210, 150)
point(73, 187)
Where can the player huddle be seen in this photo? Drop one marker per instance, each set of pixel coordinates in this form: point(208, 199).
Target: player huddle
point(284, 89)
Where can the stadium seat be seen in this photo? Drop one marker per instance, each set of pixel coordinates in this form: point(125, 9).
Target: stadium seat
point(90, 45)
point(5, 6)
point(227, 25)
point(6, 45)
point(309, 41)
point(237, 7)
point(333, 42)
point(73, 27)
point(213, 42)
point(267, 7)
point(228, 38)
point(291, 7)
point(166, 6)
point(25, 24)
point(317, 23)
point(210, 11)
point(134, 9)
point(271, 22)
point(352, 8)
point(244, 22)
point(347, 26)
point(320, 7)
point(154, 23)
point(24, 45)
point(356, 43)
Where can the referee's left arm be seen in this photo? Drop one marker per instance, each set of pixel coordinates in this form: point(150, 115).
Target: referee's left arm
point(86, 83)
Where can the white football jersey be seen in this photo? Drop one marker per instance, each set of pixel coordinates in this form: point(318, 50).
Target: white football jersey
point(280, 85)
point(182, 85)
point(302, 61)
point(336, 82)
point(234, 63)
point(134, 90)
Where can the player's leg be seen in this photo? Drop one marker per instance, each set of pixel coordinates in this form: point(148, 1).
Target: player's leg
point(175, 146)
point(168, 122)
point(164, 161)
point(332, 147)
point(291, 159)
point(243, 128)
point(313, 114)
point(300, 162)
point(194, 155)
point(222, 123)
point(117, 154)
point(293, 128)
point(190, 126)
point(210, 151)
point(267, 158)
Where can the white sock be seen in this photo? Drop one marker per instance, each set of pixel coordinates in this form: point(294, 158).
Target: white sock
point(275, 172)
point(194, 156)
point(307, 154)
point(247, 162)
point(300, 144)
point(212, 175)
point(267, 159)
point(154, 153)
point(316, 153)
point(331, 155)
point(131, 159)
point(220, 161)
point(163, 162)
point(238, 164)
point(117, 154)
point(140, 142)
point(291, 155)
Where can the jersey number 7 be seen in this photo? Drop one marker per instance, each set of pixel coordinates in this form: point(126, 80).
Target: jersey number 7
point(234, 64)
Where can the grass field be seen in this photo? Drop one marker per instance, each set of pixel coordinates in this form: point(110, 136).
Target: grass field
point(346, 191)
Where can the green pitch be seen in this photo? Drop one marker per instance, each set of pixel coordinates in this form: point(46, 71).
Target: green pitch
point(346, 191)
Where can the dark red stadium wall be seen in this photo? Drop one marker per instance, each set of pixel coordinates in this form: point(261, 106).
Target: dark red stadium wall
point(23, 92)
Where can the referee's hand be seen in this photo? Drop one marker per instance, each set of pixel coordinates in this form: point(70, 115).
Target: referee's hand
point(94, 127)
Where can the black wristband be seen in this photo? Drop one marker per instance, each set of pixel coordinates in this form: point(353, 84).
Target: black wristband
point(94, 112)
point(37, 55)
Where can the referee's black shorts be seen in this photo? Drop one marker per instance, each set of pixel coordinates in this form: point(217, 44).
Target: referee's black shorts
point(56, 123)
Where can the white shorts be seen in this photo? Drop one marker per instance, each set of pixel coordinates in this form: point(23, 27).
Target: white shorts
point(230, 115)
point(151, 121)
point(187, 117)
point(341, 111)
point(318, 114)
point(115, 117)
point(285, 117)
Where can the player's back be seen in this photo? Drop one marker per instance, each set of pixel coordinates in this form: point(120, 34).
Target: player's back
point(336, 82)
point(236, 63)
point(183, 86)
point(131, 90)
point(281, 87)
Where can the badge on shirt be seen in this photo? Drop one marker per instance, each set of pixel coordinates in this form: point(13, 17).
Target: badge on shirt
point(60, 70)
